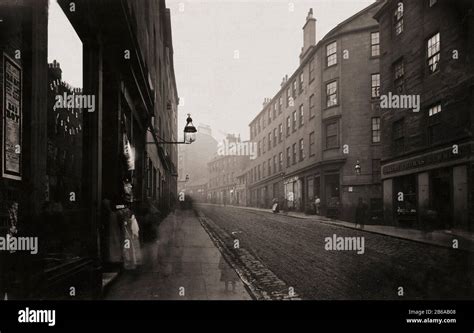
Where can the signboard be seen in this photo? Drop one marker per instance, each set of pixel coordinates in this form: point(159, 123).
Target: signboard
point(12, 119)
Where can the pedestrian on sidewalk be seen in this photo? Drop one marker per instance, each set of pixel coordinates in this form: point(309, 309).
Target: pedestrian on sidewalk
point(317, 205)
point(228, 275)
point(361, 213)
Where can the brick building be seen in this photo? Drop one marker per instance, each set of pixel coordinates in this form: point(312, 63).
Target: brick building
point(323, 122)
point(427, 51)
point(223, 171)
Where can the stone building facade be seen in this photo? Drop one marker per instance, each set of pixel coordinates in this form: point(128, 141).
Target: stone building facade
point(323, 122)
point(427, 157)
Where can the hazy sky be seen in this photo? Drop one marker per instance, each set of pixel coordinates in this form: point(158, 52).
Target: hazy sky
point(225, 92)
point(217, 88)
point(64, 45)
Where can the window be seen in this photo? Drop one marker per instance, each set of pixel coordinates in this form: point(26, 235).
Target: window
point(301, 115)
point(435, 132)
point(274, 137)
point(331, 94)
point(288, 96)
point(280, 132)
point(376, 171)
point(259, 148)
point(375, 84)
point(269, 167)
point(274, 110)
point(258, 171)
point(434, 109)
point(280, 161)
point(294, 121)
point(294, 153)
point(433, 52)
point(288, 126)
point(331, 54)
point(280, 104)
point(301, 83)
point(311, 106)
point(269, 141)
point(376, 130)
point(311, 70)
point(264, 167)
point(399, 74)
point(398, 18)
point(264, 145)
point(398, 135)
point(302, 149)
point(274, 164)
point(269, 116)
point(311, 144)
point(375, 44)
point(288, 157)
point(294, 89)
point(332, 130)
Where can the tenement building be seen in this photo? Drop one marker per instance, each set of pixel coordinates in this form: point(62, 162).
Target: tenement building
point(224, 169)
point(319, 136)
point(427, 75)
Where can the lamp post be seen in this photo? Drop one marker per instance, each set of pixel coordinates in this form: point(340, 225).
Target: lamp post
point(189, 135)
point(358, 168)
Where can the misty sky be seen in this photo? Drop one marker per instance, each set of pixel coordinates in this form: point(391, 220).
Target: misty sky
point(215, 87)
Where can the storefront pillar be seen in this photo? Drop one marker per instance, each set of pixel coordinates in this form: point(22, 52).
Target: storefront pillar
point(460, 196)
point(423, 197)
point(388, 201)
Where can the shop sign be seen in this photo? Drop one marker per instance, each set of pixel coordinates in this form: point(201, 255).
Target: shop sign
point(291, 180)
point(423, 161)
point(12, 114)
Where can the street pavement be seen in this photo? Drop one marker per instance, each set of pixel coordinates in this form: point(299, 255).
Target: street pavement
point(183, 264)
point(294, 251)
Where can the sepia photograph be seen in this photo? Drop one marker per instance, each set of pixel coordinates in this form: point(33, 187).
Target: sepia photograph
point(213, 154)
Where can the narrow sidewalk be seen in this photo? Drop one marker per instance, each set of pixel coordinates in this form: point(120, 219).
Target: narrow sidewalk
point(183, 264)
point(442, 238)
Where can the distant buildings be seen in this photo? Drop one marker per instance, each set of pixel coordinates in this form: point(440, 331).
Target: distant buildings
point(224, 169)
point(193, 159)
point(427, 52)
point(322, 123)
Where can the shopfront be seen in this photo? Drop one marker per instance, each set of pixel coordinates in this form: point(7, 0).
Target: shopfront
point(429, 192)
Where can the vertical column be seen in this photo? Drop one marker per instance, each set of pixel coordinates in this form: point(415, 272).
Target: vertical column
point(92, 154)
point(388, 201)
point(423, 198)
point(460, 197)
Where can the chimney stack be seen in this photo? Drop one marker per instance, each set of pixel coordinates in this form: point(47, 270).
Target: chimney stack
point(309, 34)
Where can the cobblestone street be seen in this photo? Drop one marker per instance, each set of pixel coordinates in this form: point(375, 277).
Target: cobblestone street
point(294, 251)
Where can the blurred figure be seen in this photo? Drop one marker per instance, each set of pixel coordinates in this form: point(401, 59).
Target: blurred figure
point(361, 213)
point(228, 275)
